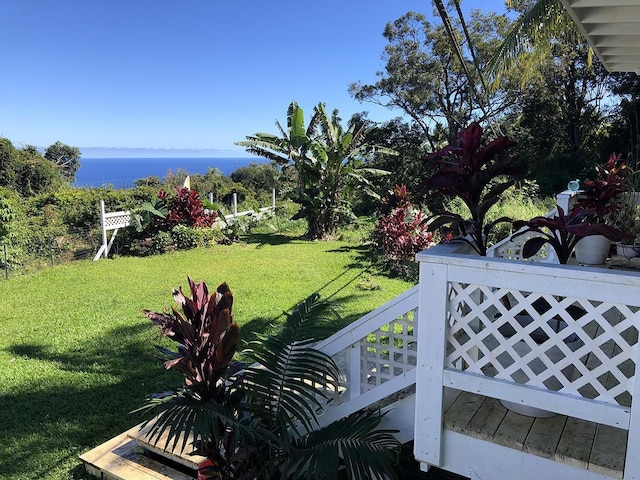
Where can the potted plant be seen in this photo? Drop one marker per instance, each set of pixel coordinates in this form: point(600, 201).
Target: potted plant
point(563, 232)
point(601, 200)
point(259, 420)
point(478, 175)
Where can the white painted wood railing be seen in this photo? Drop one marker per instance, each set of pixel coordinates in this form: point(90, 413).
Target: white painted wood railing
point(377, 356)
point(470, 309)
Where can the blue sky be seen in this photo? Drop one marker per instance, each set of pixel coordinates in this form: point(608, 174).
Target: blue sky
point(193, 74)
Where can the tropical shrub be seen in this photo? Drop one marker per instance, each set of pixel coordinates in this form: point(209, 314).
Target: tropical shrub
point(186, 208)
point(327, 162)
point(401, 232)
point(259, 420)
point(184, 238)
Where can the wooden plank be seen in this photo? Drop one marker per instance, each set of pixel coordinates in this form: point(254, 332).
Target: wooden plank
point(186, 457)
point(462, 411)
point(608, 452)
point(117, 459)
point(513, 430)
point(544, 437)
point(487, 419)
point(575, 443)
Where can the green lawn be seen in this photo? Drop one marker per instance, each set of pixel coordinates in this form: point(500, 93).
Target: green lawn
point(76, 354)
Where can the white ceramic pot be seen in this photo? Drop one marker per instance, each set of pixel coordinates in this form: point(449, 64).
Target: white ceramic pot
point(593, 250)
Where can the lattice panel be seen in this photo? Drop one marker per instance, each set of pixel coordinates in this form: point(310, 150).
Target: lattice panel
point(573, 345)
point(511, 249)
point(389, 351)
point(117, 220)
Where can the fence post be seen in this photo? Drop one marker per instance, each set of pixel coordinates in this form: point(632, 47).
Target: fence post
point(51, 250)
point(273, 201)
point(6, 262)
point(104, 229)
point(235, 204)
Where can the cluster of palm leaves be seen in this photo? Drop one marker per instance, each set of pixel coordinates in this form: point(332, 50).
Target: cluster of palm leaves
point(259, 419)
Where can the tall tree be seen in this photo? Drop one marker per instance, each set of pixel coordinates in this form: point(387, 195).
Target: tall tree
point(561, 116)
point(329, 163)
point(67, 159)
point(425, 78)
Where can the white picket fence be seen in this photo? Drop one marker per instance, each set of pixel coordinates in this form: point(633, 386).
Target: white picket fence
point(113, 221)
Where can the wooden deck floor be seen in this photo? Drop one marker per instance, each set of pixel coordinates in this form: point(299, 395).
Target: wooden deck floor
point(599, 448)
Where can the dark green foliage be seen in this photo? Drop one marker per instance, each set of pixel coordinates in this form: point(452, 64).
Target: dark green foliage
point(7, 214)
point(65, 157)
point(8, 163)
point(184, 237)
point(259, 178)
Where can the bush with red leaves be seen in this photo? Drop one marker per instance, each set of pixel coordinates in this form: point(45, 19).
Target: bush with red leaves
point(186, 209)
point(402, 232)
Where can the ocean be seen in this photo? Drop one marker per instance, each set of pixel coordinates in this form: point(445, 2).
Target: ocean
point(122, 172)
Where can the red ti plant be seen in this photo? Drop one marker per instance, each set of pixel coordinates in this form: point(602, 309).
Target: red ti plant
point(477, 174)
point(207, 339)
point(601, 197)
point(563, 232)
point(401, 232)
point(186, 208)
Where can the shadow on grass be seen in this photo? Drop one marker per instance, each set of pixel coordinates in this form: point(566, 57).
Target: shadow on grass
point(262, 239)
point(48, 422)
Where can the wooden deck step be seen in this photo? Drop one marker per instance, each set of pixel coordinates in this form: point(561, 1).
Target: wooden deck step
point(575, 442)
point(158, 446)
point(120, 459)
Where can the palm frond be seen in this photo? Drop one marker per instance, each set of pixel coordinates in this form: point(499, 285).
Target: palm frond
point(182, 418)
point(354, 444)
point(284, 383)
point(532, 34)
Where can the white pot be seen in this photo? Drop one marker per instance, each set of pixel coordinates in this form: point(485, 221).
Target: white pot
point(593, 250)
point(627, 250)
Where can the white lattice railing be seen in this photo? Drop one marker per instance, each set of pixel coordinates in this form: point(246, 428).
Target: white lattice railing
point(553, 337)
point(377, 356)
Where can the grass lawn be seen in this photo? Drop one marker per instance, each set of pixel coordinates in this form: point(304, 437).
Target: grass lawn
point(76, 354)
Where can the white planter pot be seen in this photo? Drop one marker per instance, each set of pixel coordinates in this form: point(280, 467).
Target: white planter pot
point(593, 250)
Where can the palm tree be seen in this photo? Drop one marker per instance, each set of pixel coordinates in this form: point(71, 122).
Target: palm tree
point(328, 161)
point(532, 38)
point(260, 421)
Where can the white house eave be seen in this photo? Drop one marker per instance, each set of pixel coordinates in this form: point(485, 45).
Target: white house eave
point(612, 28)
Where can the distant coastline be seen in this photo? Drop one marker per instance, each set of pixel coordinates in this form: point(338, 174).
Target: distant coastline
point(122, 172)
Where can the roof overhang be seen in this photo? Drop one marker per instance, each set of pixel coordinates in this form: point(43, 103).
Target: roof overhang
point(612, 27)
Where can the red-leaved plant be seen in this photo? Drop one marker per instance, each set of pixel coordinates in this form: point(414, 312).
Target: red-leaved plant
point(259, 420)
point(402, 231)
point(186, 208)
point(563, 231)
point(601, 197)
point(478, 175)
